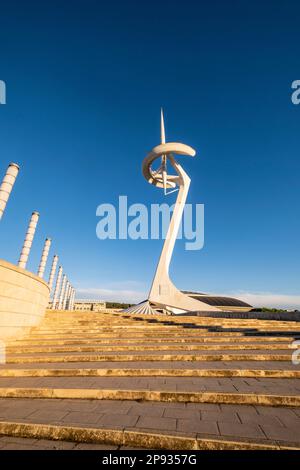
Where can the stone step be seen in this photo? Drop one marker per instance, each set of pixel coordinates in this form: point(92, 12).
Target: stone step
point(157, 372)
point(249, 356)
point(106, 325)
point(195, 332)
point(154, 425)
point(128, 334)
point(150, 341)
point(153, 365)
point(69, 340)
point(159, 327)
point(263, 399)
point(143, 347)
point(154, 395)
point(260, 386)
point(108, 320)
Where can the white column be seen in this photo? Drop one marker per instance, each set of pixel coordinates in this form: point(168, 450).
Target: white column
point(7, 185)
point(57, 287)
point(28, 240)
point(62, 292)
point(66, 294)
point(69, 298)
point(52, 272)
point(44, 257)
point(72, 299)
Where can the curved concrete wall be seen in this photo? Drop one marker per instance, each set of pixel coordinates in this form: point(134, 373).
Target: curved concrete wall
point(23, 300)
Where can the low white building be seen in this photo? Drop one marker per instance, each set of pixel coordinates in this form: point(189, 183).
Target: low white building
point(89, 305)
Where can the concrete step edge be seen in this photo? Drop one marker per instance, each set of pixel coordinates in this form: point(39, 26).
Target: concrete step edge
point(141, 358)
point(152, 395)
point(162, 347)
point(130, 438)
point(269, 373)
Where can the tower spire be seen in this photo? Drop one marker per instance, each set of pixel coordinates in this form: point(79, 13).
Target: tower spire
point(162, 127)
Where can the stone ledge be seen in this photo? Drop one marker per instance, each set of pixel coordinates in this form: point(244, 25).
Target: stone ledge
point(125, 437)
point(152, 358)
point(158, 396)
point(257, 373)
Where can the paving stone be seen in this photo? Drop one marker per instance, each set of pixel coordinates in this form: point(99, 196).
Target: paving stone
point(290, 434)
point(118, 420)
point(44, 416)
point(158, 424)
point(280, 412)
point(250, 409)
point(287, 421)
point(45, 444)
point(223, 416)
point(203, 407)
point(181, 413)
point(81, 418)
point(12, 413)
point(13, 446)
point(148, 410)
point(79, 405)
point(113, 407)
point(246, 417)
point(17, 440)
point(197, 426)
point(240, 430)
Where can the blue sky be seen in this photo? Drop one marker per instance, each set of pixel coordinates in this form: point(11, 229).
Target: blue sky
point(85, 83)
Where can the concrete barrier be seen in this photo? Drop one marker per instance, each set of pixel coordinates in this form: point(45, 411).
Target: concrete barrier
point(23, 300)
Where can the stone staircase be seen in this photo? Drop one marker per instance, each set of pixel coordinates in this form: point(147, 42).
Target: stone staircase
point(133, 381)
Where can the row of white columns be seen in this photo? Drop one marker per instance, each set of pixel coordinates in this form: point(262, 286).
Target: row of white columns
point(64, 293)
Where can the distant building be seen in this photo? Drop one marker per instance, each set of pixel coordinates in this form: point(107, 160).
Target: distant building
point(89, 305)
point(227, 304)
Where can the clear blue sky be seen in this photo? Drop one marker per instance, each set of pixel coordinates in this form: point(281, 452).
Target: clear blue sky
point(85, 82)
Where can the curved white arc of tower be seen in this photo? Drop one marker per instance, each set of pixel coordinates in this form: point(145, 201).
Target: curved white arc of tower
point(163, 292)
point(168, 247)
